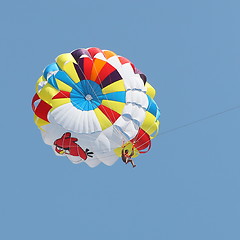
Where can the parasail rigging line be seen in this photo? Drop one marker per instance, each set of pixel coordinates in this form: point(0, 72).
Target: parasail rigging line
point(199, 120)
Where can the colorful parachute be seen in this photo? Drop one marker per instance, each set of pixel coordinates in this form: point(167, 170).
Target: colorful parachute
point(91, 103)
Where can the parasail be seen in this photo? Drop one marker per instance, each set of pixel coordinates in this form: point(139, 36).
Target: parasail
point(92, 103)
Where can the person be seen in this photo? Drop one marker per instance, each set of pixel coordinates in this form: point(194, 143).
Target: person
point(126, 157)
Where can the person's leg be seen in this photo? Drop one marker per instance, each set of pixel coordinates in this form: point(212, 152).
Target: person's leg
point(132, 162)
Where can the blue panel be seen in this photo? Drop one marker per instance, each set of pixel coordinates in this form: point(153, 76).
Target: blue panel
point(91, 87)
point(96, 103)
point(116, 96)
point(78, 103)
point(89, 106)
point(77, 94)
point(152, 106)
point(50, 68)
point(61, 75)
point(158, 114)
point(81, 90)
point(53, 82)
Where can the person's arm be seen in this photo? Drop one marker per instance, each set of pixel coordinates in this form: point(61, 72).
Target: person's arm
point(132, 153)
point(123, 156)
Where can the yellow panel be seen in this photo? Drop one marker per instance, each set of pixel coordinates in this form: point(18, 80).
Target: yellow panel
point(150, 90)
point(103, 120)
point(39, 122)
point(117, 86)
point(58, 102)
point(47, 92)
point(149, 124)
point(41, 79)
point(115, 106)
point(128, 146)
point(70, 70)
point(154, 134)
point(109, 54)
point(97, 66)
point(63, 86)
point(64, 58)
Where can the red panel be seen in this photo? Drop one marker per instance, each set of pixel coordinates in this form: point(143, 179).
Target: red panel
point(123, 60)
point(142, 140)
point(35, 98)
point(62, 94)
point(133, 67)
point(87, 67)
point(109, 113)
point(106, 70)
point(42, 110)
point(94, 51)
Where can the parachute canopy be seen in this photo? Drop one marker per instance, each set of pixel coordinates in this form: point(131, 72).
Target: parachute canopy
point(91, 103)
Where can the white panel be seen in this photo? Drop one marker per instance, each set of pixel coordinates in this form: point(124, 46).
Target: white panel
point(114, 61)
point(134, 112)
point(135, 83)
point(140, 83)
point(45, 137)
point(100, 56)
point(85, 56)
point(52, 132)
point(66, 116)
point(128, 75)
point(94, 122)
point(127, 127)
point(108, 158)
point(137, 97)
point(85, 126)
point(74, 159)
point(61, 114)
point(78, 123)
point(115, 136)
point(102, 143)
point(92, 162)
point(132, 80)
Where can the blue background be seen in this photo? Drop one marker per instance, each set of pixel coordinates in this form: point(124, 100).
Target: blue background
point(187, 187)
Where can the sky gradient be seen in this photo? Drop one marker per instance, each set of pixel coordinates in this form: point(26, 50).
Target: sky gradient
point(187, 186)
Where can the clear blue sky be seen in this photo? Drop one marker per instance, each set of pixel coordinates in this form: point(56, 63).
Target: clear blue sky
point(187, 187)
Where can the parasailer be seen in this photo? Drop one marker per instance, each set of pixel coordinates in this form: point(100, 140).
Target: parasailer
point(126, 157)
point(89, 102)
